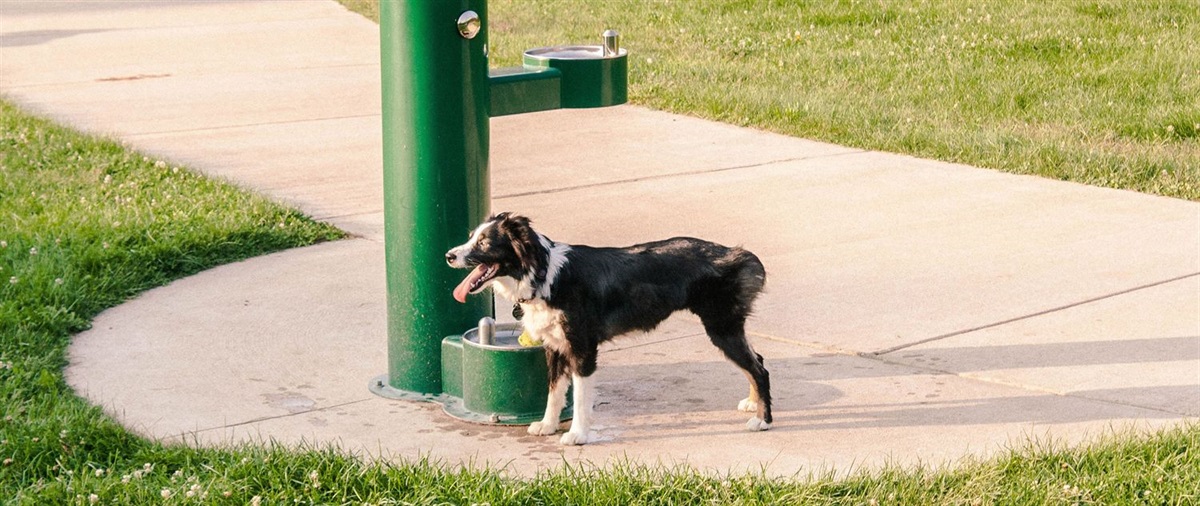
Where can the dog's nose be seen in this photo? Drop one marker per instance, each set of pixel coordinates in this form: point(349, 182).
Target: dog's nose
point(451, 257)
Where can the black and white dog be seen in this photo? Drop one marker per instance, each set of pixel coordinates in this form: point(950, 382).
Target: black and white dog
point(575, 297)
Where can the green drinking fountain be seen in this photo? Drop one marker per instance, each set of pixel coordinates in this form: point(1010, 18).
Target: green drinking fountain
point(438, 97)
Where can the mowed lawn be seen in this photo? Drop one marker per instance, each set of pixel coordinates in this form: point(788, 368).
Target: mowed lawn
point(86, 223)
point(1101, 92)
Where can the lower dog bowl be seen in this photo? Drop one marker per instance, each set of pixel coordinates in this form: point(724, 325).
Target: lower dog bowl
point(501, 383)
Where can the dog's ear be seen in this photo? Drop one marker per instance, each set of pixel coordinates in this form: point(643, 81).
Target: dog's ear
point(523, 239)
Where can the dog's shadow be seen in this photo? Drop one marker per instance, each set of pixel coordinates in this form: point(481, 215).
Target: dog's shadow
point(821, 392)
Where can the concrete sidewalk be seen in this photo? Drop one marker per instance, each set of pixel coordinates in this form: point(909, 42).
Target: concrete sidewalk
point(916, 310)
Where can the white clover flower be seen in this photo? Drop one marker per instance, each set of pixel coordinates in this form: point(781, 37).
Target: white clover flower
point(3, 244)
point(125, 478)
point(165, 493)
point(13, 280)
point(160, 164)
point(93, 498)
point(58, 281)
point(256, 501)
point(33, 251)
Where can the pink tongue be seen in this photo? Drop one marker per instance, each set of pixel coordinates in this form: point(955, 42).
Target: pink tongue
point(463, 289)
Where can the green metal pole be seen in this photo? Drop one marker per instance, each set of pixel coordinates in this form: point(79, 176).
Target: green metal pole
point(435, 161)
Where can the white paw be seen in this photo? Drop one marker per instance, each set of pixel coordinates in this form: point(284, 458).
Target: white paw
point(756, 424)
point(542, 428)
point(573, 439)
point(748, 405)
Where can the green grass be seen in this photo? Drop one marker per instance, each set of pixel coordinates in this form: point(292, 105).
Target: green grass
point(1101, 92)
point(85, 224)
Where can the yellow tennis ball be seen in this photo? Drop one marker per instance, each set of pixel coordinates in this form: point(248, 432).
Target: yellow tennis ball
point(526, 340)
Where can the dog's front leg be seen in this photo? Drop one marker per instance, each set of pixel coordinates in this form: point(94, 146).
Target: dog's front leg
point(581, 423)
point(555, 401)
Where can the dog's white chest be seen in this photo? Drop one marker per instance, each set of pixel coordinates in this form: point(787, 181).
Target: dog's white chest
point(545, 324)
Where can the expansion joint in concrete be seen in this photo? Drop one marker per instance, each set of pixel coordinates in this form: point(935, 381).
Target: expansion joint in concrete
point(248, 125)
point(1064, 307)
point(672, 175)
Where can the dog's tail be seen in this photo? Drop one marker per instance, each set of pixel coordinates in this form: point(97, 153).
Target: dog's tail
point(745, 276)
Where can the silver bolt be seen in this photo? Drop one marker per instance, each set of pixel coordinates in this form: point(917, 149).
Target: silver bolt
point(469, 24)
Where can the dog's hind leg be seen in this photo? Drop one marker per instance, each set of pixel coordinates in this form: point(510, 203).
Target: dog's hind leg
point(556, 399)
point(750, 403)
point(728, 334)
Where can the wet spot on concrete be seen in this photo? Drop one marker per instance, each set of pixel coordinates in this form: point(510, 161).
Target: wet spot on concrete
point(291, 402)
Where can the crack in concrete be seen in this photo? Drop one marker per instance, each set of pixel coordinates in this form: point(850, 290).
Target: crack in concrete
point(181, 435)
point(648, 343)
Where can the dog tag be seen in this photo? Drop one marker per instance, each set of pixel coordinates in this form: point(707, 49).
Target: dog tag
point(518, 313)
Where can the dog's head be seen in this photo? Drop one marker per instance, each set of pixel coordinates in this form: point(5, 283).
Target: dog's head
point(504, 245)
